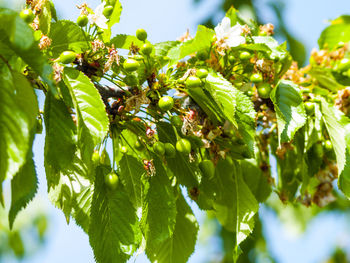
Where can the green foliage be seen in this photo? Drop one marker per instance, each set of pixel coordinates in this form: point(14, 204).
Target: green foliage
point(289, 108)
point(207, 115)
point(113, 231)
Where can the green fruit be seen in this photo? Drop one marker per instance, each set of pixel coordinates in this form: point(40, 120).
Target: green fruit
point(131, 65)
point(256, 78)
point(170, 150)
point(146, 49)
point(27, 15)
point(309, 107)
point(159, 148)
point(141, 34)
point(318, 150)
point(137, 57)
point(176, 121)
point(344, 64)
point(107, 11)
point(183, 146)
point(328, 145)
point(131, 80)
point(166, 103)
point(112, 180)
point(231, 59)
point(207, 168)
point(193, 82)
point(180, 81)
point(139, 145)
point(264, 90)
point(95, 157)
point(104, 159)
point(245, 55)
point(82, 20)
point(111, 2)
point(67, 57)
point(123, 149)
point(202, 55)
point(201, 73)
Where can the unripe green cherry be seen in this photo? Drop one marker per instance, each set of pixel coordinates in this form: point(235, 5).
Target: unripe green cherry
point(201, 73)
point(141, 34)
point(202, 55)
point(309, 107)
point(27, 15)
point(139, 145)
point(176, 121)
point(170, 150)
point(231, 59)
point(123, 149)
point(158, 148)
point(328, 145)
point(344, 64)
point(146, 49)
point(112, 180)
point(131, 65)
point(264, 90)
point(95, 157)
point(193, 82)
point(245, 55)
point(166, 103)
point(107, 11)
point(104, 159)
point(207, 168)
point(318, 150)
point(82, 20)
point(256, 78)
point(67, 57)
point(183, 146)
point(131, 80)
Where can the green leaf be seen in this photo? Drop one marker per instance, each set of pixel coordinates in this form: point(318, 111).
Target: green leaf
point(59, 128)
point(45, 18)
point(82, 207)
point(158, 208)
point(114, 233)
point(113, 19)
point(66, 173)
point(325, 78)
point(201, 41)
point(235, 205)
point(18, 36)
point(207, 103)
point(162, 48)
point(93, 122)
point(185, 172)
point(67, 35)
point(333, 35)
point(180, 246)
point(336, 122)
point(255, 180)
point(23, 188)
point(124, 41)
point(224, 95)
point(277, 51)
point(290, 111)
point(131, 173)
point(19, 108)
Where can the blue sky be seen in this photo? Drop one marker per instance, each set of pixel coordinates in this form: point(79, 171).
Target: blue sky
point(167, 20)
